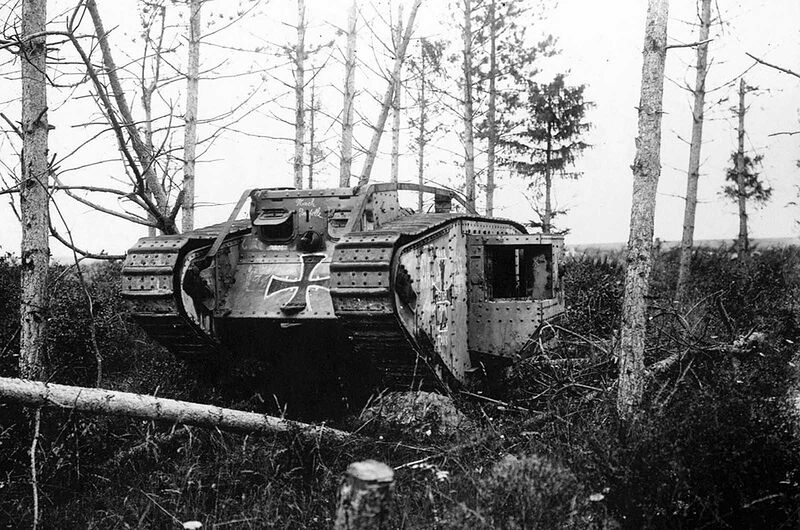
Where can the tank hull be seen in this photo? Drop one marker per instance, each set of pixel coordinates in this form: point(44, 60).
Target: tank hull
point(366, 289)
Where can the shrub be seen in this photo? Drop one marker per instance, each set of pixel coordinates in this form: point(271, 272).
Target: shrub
point(716, 445)
point(9, 310)
point(593, 287)
point(530, 492)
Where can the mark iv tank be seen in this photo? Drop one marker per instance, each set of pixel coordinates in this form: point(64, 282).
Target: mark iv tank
point(347, 284)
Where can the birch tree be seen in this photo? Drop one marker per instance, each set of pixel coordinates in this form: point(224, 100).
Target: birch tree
point(698, 114)
point(33, 190)
point(190, 119)
point(345, 165)
point(646, 171)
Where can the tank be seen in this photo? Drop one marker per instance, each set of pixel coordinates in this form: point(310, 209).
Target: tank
point(345, 284)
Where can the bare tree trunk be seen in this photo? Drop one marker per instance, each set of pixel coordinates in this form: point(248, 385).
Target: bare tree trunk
point(299, 86)
point(102, 401)
point(190, 127)
point(372, 152)
point(548, 182)
point(398, 33)
point(421, 140)
point(365, 497)
point(491, 111)
point(345, 166)
point(646, 172)
point(469, 141)
point(743, 243)
point(687, 242)
point(312, 111)
point(147, 100)
point(145, 157)
point(33, 198)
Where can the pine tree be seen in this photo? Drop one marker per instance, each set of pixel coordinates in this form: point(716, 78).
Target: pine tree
point(503, 63)
point(750, 188)
point(548, 140)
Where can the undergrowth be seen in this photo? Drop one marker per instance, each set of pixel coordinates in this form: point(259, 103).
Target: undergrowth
point(716, 445)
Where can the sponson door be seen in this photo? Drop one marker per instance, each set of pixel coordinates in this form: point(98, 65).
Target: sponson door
point(513, 288)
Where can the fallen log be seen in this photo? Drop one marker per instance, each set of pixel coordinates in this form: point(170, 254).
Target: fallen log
point(101, 401)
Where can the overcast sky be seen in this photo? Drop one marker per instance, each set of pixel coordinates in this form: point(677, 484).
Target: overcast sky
point(600, 45)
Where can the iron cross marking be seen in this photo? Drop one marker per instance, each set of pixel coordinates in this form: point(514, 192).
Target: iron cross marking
point(298, 301)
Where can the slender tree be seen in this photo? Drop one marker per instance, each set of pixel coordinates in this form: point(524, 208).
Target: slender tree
point(698, 115)
point(33, 195)
point(468, 113)
point(190, 128)
point(491, 113)
point(153, 21)
point(315, 153)
point(345, 167)
point(426, 69)
point(742, 243)
point(747, 182)
point(421, 137)
point(398, 87)
point(646, 171)
point(299, 88)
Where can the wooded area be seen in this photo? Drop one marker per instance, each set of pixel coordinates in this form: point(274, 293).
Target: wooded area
point(664, 397)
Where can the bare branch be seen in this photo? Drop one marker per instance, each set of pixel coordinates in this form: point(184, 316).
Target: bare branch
point(779, 68)
point(689, 45)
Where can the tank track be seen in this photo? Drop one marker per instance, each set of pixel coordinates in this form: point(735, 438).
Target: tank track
point(150, 282)
point(364, 302)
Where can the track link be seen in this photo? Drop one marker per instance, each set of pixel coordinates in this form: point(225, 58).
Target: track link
point(363, 298)
point(151, 284)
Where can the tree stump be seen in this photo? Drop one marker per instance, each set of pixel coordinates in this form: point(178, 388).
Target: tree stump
point(365, 496)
